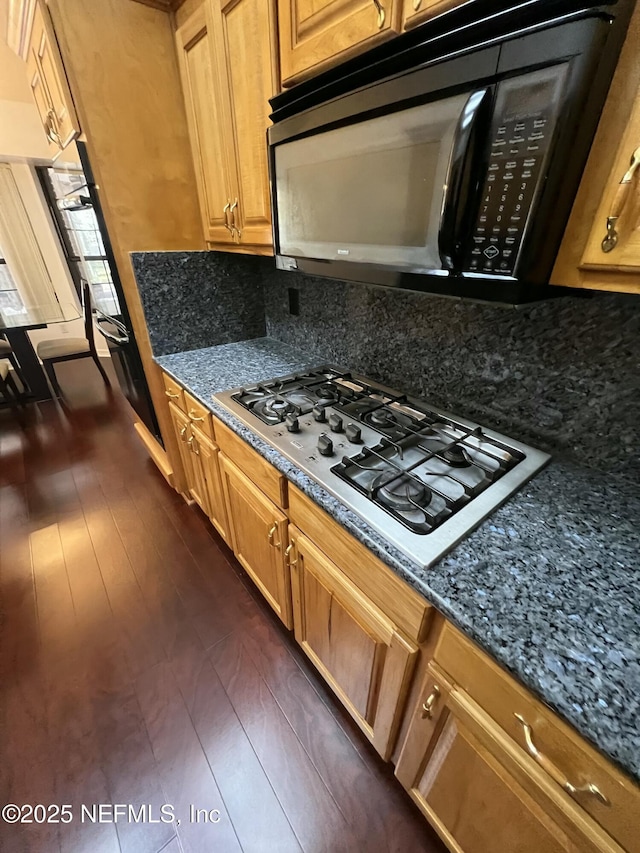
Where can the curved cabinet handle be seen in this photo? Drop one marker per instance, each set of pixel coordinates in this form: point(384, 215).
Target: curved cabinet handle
point(619, 202)
point(381, 13)
point(172, 395)
point(183, 433)
point(291, 550)
point(272, 532)
point(232, 211)
point(556, 774)
point(416, 5)
point(429, 703)
point(193, 415)
point(225, 213)
point(193, 447)
point(50, 129)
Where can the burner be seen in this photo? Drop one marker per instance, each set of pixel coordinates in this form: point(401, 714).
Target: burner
point(457, 456)
point(273, 408)
point(382, 417)
point(403, 493)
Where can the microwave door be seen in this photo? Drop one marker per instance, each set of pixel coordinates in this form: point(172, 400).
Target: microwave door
point(379, 191)
point(461, 187)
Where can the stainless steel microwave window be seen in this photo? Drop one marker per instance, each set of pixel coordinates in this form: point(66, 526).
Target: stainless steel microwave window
point(394, 167)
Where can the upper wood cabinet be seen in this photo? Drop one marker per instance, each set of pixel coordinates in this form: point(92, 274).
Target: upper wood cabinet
point(417, 11)
point(583, 259)
point(228, 66)
point(49, 84)
point(355, 646)
point(315, 34)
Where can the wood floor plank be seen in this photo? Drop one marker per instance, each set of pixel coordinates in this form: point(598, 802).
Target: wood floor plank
point(185, 774)
point(258, 818)
point(314, 815)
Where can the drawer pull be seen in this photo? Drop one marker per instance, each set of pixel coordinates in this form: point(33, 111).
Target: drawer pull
point(172, 395)
point(428, 705)
point(289, 551)
point(619, 201)
point(381, 13)
point(553, 771)
point(194, 416)
point(272, 532)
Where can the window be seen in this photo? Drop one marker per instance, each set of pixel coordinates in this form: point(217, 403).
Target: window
point(10, 300)
point(71, 207)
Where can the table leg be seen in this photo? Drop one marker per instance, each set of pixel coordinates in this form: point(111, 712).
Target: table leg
point(29, 362)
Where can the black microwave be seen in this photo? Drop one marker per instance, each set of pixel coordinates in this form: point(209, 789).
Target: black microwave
point(447, 160)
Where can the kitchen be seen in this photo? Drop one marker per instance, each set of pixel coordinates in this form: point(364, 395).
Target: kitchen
point(471, 616)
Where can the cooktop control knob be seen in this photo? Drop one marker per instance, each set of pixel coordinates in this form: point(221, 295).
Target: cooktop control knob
point(325, 445)
point(292, 423)
point(319, 414)
point(335, 423)
point(353, 433)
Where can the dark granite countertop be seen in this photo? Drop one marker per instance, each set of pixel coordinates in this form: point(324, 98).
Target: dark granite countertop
point(549, 585)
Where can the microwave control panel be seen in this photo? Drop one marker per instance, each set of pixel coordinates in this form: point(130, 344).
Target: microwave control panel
point(524, 120)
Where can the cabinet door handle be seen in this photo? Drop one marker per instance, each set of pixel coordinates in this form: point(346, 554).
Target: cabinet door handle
point(416, 5)
point(193, 416)
point(172, 395)
point(619, 202)
point(193, 445)
point(232, 210)
point(183, 433)
point(50, 128)
point(429, 703)
point(556, 774)
point(272, 532)
point(381, 13)
point(290, 550)
point(225, 212)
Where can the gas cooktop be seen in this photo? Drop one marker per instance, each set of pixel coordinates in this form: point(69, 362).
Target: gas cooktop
point(420, 477)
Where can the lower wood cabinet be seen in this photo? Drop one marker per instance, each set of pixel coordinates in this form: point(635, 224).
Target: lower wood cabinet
point(354, 645)
point(475, 788)
point(207, 481)
point(181, 428)
point(258, 533)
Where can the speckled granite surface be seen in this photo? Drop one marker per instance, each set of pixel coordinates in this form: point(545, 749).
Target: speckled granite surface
point(549, 585)
point(562, 375)
point(196, 299)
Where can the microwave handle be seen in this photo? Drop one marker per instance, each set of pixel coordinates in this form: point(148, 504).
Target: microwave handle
point(467, 148)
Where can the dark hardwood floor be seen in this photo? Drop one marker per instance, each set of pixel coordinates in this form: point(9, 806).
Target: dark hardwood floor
point(138, 666)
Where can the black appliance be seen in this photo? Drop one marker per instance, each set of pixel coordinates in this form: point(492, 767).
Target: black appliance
point(113, 321)
point(448, 159)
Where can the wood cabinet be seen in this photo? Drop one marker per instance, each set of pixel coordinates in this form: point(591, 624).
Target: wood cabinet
point(180, 423)
point(207, 481)
point(49, 83)
point(475, 787)
point(356, 647)
point(416, 11)
point(315, 34)
point(258, 534)
point(228, 66)
point(582, 260)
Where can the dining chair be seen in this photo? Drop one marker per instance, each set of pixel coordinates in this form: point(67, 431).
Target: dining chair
point(6, 351)
point(8, 387)
point(55, 350)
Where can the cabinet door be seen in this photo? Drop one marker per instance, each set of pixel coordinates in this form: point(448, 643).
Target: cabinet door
point(207, 106)
point(258, 531)
point(461, 770)
point(196, 479)
point(208, 455)
point(621, 199)
point(182, 430)
point(354, 645)
point(417, 11)
point(247, 50)
point(315, 34)
point(49, 83)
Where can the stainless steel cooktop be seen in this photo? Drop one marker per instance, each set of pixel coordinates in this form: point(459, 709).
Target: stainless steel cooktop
point(421, 477)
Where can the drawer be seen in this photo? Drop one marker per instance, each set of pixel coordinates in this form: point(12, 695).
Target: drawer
point(257, 469)
point(199, 415)
point(562, 752)
point(173, 391)
point(409, 610)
